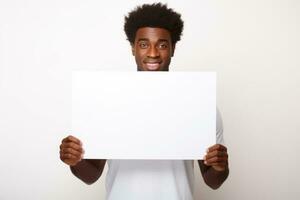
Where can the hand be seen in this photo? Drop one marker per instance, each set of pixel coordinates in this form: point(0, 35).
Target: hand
point(217, 157)
point(71, 151)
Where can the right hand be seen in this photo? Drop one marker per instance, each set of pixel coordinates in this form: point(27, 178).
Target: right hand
point(71, 151)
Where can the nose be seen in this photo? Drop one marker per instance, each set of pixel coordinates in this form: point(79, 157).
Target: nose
point(153, 52)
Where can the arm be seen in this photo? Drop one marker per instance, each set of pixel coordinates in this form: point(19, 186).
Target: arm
point(87, 170)
point(214, 167)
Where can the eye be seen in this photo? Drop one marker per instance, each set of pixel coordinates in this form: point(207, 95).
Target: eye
point(143, 45)
point(163, 46)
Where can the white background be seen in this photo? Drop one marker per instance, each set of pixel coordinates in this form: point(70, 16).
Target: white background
point(253, 45)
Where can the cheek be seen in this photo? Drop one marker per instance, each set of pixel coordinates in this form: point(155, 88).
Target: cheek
point(139, 59)
point(139, 56)
point(166, 56)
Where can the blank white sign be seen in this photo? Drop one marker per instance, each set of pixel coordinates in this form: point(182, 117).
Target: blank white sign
point(144, 115)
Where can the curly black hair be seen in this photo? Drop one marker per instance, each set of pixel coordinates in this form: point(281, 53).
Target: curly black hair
point(154, 15)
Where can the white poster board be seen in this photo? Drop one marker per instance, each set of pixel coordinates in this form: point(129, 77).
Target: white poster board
point(144, 115)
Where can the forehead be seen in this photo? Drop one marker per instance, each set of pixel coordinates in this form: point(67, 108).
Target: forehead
point(152, 34)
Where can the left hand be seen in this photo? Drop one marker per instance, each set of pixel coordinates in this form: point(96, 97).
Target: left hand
point(217, 157)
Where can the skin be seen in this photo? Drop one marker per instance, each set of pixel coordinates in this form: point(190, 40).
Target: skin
point(152, 50)
point(71, 153)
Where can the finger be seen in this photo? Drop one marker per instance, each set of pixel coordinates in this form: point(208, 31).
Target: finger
point(71, 145)
point(215, 159)
point(71, 162)
point(71, 151)
point(71, 138)
point(215, 153)
point(219, 167)
point(217, 147)
point(65, 156)
point(217, 164)
point(223, 165)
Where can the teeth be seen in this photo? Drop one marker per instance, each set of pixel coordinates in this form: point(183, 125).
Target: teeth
point(152, 65)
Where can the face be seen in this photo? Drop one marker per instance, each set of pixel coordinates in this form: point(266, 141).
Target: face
point(152, 49)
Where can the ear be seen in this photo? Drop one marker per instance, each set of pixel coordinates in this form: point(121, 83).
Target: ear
point(132, 49)
point(173, 50)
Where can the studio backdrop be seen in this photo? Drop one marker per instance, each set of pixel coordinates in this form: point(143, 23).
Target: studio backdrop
point(253, 46)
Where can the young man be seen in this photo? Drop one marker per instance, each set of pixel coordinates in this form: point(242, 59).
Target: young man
point(152, 30)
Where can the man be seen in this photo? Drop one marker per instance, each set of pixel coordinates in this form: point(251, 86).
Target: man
point(152, 30)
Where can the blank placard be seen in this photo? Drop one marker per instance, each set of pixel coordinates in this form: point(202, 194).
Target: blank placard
point(144, 115)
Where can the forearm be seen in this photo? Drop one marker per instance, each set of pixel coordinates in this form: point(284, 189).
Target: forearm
point(212, 177)
point(87, 171)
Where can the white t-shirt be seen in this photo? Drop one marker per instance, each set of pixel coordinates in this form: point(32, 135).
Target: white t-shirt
point(153, 179)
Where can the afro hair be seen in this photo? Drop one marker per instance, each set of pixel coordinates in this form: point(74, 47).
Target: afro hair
point(155, 15)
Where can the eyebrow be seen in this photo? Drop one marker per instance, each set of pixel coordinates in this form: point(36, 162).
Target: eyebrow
point(146, 39)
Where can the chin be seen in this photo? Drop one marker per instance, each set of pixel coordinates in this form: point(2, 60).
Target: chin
point(153, 69)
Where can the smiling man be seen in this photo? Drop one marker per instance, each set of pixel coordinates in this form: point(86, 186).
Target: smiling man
point(152, 49)
point(153, 31)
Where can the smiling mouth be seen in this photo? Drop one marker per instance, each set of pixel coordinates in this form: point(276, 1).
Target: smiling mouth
point(152, 65)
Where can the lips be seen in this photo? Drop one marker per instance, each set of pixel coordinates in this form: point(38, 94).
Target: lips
point(152, 65)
